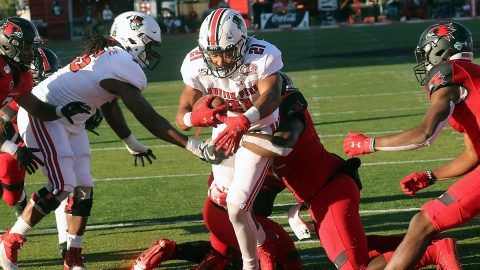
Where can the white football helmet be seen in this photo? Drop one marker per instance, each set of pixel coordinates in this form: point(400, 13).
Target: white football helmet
point(223, 32)
point(140, 35)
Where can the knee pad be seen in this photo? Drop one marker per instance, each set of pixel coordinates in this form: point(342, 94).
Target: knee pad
point(81, 203)
point(47, 200)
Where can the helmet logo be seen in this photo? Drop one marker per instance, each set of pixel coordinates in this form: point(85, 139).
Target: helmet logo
point(436, 80)
point(458, 45)
point(444, 31)
point(135, 22)
point(10, 29)
point(238, 22)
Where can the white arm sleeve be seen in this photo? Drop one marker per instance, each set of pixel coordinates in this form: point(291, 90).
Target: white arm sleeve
point(427, 142)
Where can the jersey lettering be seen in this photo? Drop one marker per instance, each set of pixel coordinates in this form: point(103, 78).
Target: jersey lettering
point(256, 49)
point(81, 62)
point(195, 55)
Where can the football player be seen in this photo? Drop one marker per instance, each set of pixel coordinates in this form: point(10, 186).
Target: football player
point(243, 71)
point(222, 250)
point(452, 82)
point(110, 68)
point(12, 175)
point(18, 38)
point(330, 187)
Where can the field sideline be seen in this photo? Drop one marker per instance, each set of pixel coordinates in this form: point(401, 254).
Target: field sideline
point(358, 79)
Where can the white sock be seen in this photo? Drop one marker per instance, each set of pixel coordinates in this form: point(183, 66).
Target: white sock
point(74, 241)
point(21, 227)
point(61, 219)
point(260, 235)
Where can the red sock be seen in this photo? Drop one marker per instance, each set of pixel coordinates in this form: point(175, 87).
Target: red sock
point(380, 244)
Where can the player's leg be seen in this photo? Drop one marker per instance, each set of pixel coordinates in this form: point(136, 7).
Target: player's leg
point(58, 169)
point(80, 202)
point(456, 206)
point(335, 211)
point(62, 227)
point(12, 179)
point(250, 170)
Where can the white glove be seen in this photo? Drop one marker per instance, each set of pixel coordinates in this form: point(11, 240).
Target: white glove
point(300, 227)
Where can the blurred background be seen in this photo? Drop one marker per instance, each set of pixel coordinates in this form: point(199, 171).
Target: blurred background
point(73, 19)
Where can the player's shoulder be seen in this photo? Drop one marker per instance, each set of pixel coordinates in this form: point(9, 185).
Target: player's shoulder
point(258, 49)
point(117, 55)
point(193, 62)
point(439, 76)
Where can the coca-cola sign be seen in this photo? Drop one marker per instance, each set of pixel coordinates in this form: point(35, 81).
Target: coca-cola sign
point(270, 20)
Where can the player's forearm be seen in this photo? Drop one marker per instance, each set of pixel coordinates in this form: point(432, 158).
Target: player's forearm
point(162, 129)
point(406, 140)
point(268, 102)
point(115, 119)
point(463, 164)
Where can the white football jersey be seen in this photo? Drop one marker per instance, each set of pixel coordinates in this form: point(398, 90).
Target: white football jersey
point(240, 90)
point(80, 80)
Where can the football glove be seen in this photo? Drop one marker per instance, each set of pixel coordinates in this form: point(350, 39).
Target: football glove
point(27, 159)
point(204, 116)
point(148, 155)
point(417, 181)
point(358, 144)
point(211, 155)
point(138, 150)
point(230, 137)
point(94, 121)
point(74, 108)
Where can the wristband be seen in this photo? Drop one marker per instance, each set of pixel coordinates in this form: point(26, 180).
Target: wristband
point(9, 147)
point(252, 114)
point(58, 111)
point(372, 145)
point(431, 177)
point(187, 119)
point(133, 145)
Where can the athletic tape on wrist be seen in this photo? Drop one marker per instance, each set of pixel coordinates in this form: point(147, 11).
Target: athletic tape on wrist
point(252, 114)
point(187, 119)
point(431, 177)
point(9, 147)
point(58, 111)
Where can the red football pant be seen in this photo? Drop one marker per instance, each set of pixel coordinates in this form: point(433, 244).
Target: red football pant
point(458, 205)
point(335, 212)
point(223, 240)
point(12, 178)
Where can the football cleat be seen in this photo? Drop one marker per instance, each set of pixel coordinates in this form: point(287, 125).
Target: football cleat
point(447, 255)
point(213, 261)
point(10, 244)
point(161, 251)
point(267, 251)
point(74, 260)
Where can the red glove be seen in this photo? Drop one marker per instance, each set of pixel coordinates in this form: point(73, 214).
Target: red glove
point(417, 181)
point(230, 137)
point(204, 115)
point(358, 144)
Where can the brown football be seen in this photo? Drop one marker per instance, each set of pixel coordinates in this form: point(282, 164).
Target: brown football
point(216, 102)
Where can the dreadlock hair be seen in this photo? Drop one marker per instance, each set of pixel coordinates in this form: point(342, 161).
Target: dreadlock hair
point(94, 44)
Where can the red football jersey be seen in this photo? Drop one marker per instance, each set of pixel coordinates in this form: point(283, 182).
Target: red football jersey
point(307, 168)
point(8, 90)
point(466, 116)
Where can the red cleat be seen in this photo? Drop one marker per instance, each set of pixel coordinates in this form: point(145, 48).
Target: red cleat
point(10, 244)
point(161, 251)
point(74, 259)
point(213, 261)
point(267, 251)
point(447, 255)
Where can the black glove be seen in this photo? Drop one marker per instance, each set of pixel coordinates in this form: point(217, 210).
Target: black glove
point(148, 155)
point(9, 130)
point(27, 159)
point(94, 121)
point(210, 155)
point(74, 108)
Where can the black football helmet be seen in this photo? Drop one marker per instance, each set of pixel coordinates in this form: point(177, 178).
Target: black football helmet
point(440, 42)
point(15, 34)
point(45, 63)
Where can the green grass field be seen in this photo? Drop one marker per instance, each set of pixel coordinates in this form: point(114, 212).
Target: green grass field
point(357, 78)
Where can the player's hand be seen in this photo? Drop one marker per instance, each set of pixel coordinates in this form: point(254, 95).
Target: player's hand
point(416, 181)
point(27, 159)
point(94, 121)
point(358, 144)
point(230, 137)
point(210, 155)
point(204, 116)
point(148, 155)
point(74, 108)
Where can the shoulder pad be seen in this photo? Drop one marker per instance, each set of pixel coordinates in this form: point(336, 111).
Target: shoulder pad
point(293, 101)
point(440, 76)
